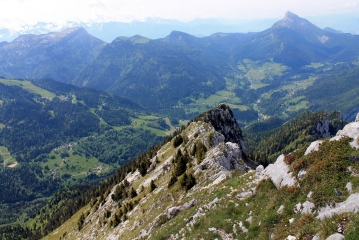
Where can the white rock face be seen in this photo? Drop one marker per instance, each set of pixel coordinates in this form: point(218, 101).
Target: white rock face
point(219, 161)
point(357, 118)
point(349, 205)
point(322, 129)
point(226, 156)
point(350, 130)
point(133, 177)
point(279, 173)
point(336, 236)
point(314, 146)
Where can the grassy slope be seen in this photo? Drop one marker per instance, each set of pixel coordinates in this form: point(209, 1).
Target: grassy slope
point(29, 86)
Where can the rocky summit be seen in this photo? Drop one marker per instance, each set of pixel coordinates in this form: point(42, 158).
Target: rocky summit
point(201, 185)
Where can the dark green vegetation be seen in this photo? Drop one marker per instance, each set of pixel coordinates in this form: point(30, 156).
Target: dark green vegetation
point(266, 141)
point(335, 91)
point(54, 135)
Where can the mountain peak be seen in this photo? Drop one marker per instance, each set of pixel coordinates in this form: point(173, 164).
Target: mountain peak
point(290, 16)
point(296, 23)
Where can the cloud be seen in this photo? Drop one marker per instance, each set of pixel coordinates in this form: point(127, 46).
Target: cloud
point(22, 12)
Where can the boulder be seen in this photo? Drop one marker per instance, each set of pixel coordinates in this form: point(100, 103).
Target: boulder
point(173, 211)
point(314, 146)
point(350, 130)
point(349, 205)
point(336, 236)
point(307, 207)
point(291, 237)
point(279, 173)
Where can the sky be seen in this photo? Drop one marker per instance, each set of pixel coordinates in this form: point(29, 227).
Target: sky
point(16, 13)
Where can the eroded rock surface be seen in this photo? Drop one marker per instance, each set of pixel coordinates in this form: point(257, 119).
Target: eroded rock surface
point(349, 205)
point(279, 173)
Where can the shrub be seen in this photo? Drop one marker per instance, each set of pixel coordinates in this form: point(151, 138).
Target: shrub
point(172, 180)
point(178, 140)
point(152, 186)
point(188, 181)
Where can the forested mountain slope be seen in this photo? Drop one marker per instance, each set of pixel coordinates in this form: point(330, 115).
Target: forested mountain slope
point(54, 135)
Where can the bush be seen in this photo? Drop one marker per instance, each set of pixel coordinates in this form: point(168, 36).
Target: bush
point(172, 180)
point(178, 140)
point(188, 181)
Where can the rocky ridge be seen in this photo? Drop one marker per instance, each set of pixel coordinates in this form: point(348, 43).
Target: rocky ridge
point(286, 200)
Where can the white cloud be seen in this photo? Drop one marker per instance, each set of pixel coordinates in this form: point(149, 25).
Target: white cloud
point(21, 12)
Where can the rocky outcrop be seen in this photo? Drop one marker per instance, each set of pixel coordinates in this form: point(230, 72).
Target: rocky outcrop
point(279, 173)
point(173, 211)
point(223, 121)
point(350, 130)
point(314, 146)
point(349, 205)
point(321, 130)
point(226, 156)
point(304, 208)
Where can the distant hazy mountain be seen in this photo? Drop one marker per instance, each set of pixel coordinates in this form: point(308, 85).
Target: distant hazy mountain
point(158, 28)
point(328, 29)
point(295, 42)
point(153, 28)
point(60, 55)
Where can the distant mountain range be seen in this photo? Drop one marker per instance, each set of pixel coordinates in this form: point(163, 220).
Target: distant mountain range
point(180, 71)
point(155, 28)
point(55, 55)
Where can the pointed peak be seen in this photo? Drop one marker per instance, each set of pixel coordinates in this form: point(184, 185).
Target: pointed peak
point(295, 22)
point(290, 15)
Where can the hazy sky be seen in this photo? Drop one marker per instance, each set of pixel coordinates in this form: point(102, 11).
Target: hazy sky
point(21, 12)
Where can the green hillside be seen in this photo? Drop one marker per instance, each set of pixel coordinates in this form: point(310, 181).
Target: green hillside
point(54, 135)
